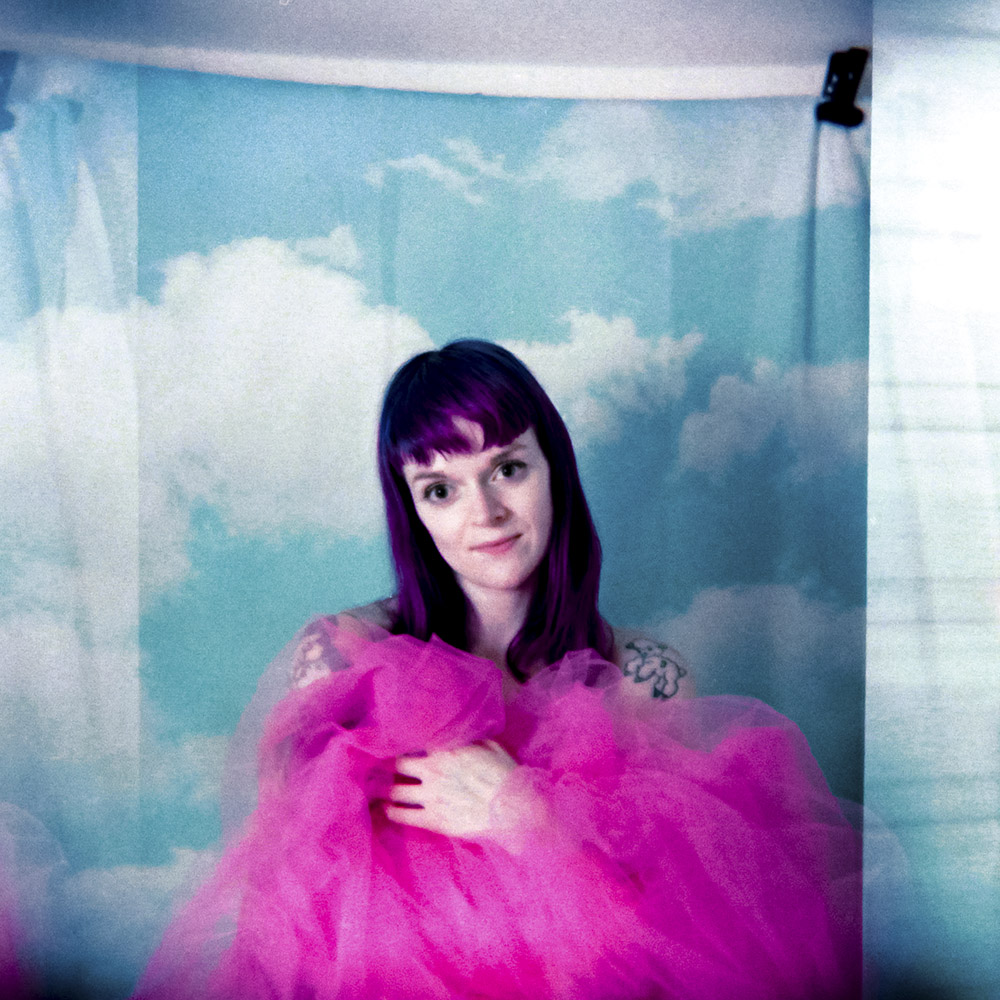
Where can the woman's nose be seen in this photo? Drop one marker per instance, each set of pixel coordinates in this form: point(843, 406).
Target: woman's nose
point(490, 508)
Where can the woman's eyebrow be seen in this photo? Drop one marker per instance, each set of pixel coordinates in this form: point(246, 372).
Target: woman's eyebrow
point(504, 453)
point(513, 447)
point(426, 475)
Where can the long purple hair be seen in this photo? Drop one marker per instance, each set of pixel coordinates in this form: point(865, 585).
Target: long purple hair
point(487, 385)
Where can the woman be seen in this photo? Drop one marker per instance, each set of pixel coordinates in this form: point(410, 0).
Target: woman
point(479, 789)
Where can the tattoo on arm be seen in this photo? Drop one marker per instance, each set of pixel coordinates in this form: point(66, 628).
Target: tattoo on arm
point(653, 661)
point(315, 657)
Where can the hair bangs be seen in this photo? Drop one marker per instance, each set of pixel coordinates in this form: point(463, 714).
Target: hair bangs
point(424, 423)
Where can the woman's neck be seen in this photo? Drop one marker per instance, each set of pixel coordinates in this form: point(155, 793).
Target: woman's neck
point(494, 620)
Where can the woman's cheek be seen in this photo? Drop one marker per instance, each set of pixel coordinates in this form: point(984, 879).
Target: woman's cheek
point(444, 526)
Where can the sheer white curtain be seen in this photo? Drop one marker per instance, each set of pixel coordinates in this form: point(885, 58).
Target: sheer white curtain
point(932, 761)
point(69, 711)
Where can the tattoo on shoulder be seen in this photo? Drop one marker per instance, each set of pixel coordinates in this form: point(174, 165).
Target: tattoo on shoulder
point(313, 658)
point(656, 662)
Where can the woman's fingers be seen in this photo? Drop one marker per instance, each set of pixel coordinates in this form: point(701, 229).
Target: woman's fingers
point(409, 816)
point(411, 767)
point(449, 791)
point(409, 795)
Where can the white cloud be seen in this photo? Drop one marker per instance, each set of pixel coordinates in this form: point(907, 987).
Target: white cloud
point(187, 771)
point(601, 149)
point(722, 625)
point(30, 858)
point(113, 918)
point(7, 153)
point(822, 411)
point(134, 893)
point(466, 155)
point(826, 418)
point(739, 419)
point(470, 155)
point(103, 922)
point(339, 249)
point(725, 162)
point(69, 538)
point(43, 667)
point(730, 161)
point(375, 175)
point(260, 377)
point(606, 369)
point(431, 167)
point(803, 656)
point(27, 490)
point(253, 385)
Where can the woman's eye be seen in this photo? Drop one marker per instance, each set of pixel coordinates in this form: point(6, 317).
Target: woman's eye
point(510, 469)
point(438, 491)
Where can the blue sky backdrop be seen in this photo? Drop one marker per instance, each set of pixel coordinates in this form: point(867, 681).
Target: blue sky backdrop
point(193, 382)
point(658, 265)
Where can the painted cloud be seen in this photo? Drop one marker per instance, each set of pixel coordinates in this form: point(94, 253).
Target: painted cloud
point(604, 370)
point(822, 411)
point(704, 171)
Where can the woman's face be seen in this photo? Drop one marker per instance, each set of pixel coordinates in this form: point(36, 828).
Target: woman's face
point(489, 512)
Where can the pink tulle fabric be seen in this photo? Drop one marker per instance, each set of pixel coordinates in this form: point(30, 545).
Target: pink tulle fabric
point(687, 850)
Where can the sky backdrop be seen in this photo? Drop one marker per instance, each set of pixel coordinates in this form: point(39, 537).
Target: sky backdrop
point(244, 263)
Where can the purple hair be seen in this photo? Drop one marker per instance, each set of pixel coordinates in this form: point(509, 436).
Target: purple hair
point(487, 385)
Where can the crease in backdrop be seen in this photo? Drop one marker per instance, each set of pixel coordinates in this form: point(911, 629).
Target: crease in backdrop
point(208, 281)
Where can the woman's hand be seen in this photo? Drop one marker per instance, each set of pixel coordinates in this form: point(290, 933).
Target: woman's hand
point(450, 791)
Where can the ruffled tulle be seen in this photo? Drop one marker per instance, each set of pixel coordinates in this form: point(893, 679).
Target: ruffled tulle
point(686, 849)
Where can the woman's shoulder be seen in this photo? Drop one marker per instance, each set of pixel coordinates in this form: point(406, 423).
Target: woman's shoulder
point(327, 643)
point(381, 613)
point(656, 668)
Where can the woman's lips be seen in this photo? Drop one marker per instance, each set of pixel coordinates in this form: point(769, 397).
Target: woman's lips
point(498, 547)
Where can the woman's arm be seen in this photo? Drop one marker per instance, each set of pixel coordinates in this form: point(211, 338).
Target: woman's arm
point(326, 645)
point(657, 670)
point(453, 792)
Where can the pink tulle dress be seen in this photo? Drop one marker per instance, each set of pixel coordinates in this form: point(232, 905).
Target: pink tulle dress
point(683, 849)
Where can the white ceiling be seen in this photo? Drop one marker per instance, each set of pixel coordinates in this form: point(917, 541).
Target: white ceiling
point(628, 33)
